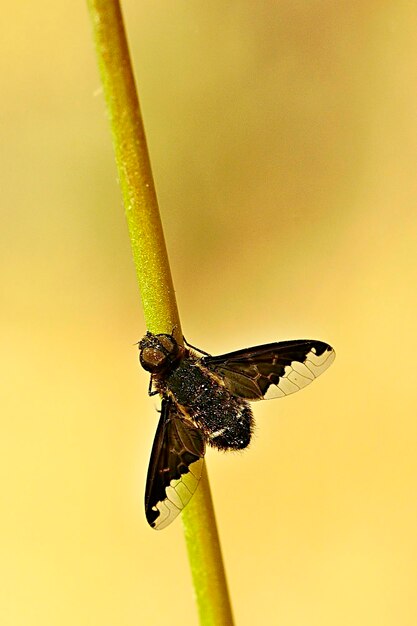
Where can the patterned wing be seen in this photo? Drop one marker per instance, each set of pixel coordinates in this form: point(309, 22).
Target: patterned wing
point(175, 467)
point(273, 370)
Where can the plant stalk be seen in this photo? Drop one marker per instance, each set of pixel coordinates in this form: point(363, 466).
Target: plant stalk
point(154, 278)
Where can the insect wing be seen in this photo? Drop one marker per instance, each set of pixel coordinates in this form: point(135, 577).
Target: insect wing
point(175, 467)
point(273, 370)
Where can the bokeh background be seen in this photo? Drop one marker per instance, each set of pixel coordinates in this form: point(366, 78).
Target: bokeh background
point(283, 138)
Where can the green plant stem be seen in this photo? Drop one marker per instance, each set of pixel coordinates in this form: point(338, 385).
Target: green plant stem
point(154, 277)
point(205, 556)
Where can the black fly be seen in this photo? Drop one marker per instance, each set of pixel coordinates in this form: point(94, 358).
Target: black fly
point(205, 400)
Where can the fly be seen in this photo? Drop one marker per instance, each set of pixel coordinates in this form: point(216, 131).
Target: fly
point(205, 400)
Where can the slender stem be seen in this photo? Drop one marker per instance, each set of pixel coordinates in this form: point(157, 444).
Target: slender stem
point(154, 277)
point(205, 556)
point(134, 168)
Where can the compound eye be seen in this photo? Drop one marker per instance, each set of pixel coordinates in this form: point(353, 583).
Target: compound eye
point(152, 359)
point(168, 343)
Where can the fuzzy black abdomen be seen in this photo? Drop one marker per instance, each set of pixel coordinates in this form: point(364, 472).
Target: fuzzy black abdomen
point(225, 420)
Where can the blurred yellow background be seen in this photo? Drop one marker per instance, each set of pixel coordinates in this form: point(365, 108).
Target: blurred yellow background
point(284, 143)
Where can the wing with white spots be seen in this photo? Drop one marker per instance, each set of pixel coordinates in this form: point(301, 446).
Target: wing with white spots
point(273, 370)
point(174, 468)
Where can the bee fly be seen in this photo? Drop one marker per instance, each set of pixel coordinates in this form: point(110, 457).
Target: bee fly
point(205, 401)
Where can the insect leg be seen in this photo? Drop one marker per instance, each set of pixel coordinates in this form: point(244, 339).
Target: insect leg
point(150, 392)
point(194, 348)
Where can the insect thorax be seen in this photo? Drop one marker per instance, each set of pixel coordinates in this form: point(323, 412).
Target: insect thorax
point(225, 420)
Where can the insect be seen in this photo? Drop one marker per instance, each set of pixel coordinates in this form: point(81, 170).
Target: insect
point(205, 401)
